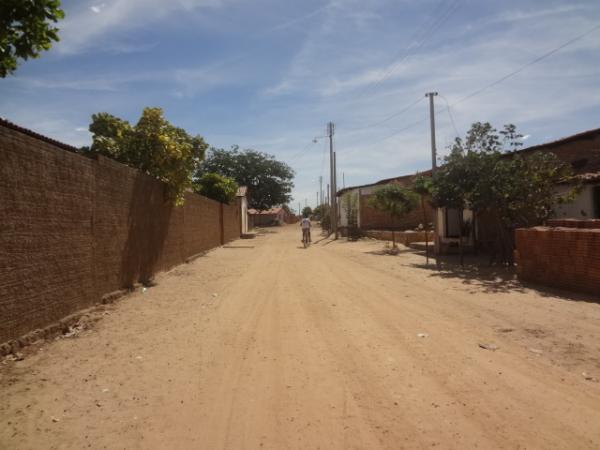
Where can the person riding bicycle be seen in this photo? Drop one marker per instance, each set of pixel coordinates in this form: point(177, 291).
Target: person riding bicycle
point(305, 224)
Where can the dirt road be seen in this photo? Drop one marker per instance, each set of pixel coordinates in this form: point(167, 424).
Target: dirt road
point(263, 344)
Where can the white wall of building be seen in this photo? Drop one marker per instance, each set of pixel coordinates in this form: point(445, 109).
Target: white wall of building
point(581, 208)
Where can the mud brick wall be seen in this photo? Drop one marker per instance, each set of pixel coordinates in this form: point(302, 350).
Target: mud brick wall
point(232, 222)
point(561, 257)
point(73, 229)
point(46, 240)
point(373, 219)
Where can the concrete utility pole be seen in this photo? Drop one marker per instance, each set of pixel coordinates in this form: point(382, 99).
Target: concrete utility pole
point(333, 215)
point(432, 120)
point(317, 204)
point(327, 196)
point(320, 190)
point(436, 245)
point(299, 209)
point(335, 192)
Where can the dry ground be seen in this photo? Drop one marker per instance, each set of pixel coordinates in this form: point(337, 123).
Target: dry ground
point(279, 347)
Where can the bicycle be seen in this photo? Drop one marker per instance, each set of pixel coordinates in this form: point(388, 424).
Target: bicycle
point(305, 238)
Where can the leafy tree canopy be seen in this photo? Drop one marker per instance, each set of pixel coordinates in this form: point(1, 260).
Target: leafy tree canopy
point(26, 29)
point(217, 187)
point(153, 146)
point(394, 200)
point(518, 190)
point(307, 211)
point(269, 181)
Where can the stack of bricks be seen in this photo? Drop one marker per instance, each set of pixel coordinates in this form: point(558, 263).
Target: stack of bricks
point(565, 254)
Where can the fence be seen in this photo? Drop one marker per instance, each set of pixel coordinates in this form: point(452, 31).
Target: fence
point(566, 256)
point(73, 229)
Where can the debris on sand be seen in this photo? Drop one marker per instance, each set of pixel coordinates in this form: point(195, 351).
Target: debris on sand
point(537, 351)
point(589, 377)
point(422, 335)
point(490, 346)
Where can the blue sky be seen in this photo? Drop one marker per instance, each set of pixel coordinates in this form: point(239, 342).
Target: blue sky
point(269, 75)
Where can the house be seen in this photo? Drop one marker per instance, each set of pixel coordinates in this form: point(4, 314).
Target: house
point(369, 218)
point(270, 217)
point(243, 202)
point(581, 151)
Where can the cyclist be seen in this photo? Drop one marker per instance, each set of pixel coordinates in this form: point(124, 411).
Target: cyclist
point(305, 224)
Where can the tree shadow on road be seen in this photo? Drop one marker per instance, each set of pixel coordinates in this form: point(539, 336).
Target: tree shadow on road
point(474, 273)
point(478, 273)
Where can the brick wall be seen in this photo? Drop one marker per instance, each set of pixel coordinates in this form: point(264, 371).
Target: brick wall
point(565, 257)
point(74, 229)
point(373, 219)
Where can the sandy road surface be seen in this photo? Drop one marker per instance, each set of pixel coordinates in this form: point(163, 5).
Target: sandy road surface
point(278, 347)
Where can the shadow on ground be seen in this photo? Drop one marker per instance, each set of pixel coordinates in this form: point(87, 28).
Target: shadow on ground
point(477, 272)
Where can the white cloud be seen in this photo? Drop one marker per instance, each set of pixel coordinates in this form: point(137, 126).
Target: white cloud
point(84, 27)
point(97, 8)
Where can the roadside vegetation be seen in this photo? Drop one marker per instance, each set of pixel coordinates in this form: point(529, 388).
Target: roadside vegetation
point(153, 146)
point(395, 200)
point(513, 190)
point(269, 181)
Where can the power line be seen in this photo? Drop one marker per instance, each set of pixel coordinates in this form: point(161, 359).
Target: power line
point(450, 114)
point(423, 35)
point(501, 79)
point(524, 66)
point(396, 114)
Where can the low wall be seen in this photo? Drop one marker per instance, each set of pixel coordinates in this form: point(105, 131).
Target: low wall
point(564, 257)
point(402, 237)
point(74, 229)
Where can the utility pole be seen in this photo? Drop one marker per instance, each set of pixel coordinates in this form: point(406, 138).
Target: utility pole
point(343, 180)
point(431, 95)
point(327, 196)
point(299, 209)
point(432, 120)
point(320, 190)
point(335, 192)
point(333, 215)
point(317, 204)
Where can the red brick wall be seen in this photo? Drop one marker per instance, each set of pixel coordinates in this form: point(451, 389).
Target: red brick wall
point(74, 229)
point(563, 257)
point(372, 219)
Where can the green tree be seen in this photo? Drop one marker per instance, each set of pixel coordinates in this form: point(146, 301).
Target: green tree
point(217, 187)
point(516, 190)
point(322, 214)
point(394, 200)
point(307, 211)
point(269, 181)
point(422, 186)
point(350, 204)
point(26, 30)
point(153, 146)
